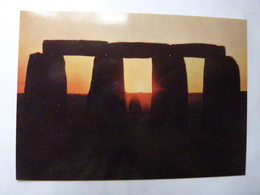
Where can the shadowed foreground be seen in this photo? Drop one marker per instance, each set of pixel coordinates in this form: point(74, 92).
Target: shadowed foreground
point(81, 149)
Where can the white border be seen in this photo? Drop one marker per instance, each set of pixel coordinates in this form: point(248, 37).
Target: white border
point(9, 25)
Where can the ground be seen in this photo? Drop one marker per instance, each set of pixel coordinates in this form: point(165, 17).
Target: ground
point(81, 149)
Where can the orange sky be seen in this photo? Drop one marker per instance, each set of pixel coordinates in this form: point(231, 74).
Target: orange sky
point(38, 26)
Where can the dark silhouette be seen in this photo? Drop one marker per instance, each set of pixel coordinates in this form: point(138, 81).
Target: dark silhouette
point(106, 106)
point(199, 50)
point(222, 102)
point(76, 137)
point(46, 85)
point(138, 50)
point(72, 47)
point(221, 91)
point(170, 93)
point(135, 105)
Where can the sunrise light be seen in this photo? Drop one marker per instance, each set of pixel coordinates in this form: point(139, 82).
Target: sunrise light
point(138, 75)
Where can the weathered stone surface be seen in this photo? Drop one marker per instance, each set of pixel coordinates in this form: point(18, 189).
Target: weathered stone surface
point(170, 93)
point(199, 50)
point(46, 84)
point(106, 103)
point(138, 49)
point(75, 47)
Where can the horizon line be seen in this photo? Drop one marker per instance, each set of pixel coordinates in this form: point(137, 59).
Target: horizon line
point(126, 92)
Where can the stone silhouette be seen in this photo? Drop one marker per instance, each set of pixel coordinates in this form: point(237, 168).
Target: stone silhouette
point(138, 50)
point(72, 47)
point(199, 50)
point(46, 79)
point(221, 101)
point(46, 85)
point(221, 91)
point(135, 105)
point(164, 136)
point(170, 92)
point(41, 139)
point(106, 99)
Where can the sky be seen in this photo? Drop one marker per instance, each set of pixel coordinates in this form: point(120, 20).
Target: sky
point(124, 27)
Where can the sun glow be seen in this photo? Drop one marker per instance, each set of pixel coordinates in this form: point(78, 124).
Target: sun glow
point(195, 74)
point(129, 28)
point(138, 75)
point(79, 73)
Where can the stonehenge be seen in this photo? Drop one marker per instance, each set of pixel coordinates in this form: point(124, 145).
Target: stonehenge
point(46, 83)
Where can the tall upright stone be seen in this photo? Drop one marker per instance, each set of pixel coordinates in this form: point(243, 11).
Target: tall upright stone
point(222, 125)
point(221, 93)
point(46, 85)
point(170, 93)
point(106, 105)
point(42, 129)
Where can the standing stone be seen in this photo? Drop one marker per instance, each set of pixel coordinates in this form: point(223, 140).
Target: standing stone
point(232, 78)
point(42, 135)
point(222, 127)
point(221, 92)
point(46, 85)
point(106, 105)
point(170, 93)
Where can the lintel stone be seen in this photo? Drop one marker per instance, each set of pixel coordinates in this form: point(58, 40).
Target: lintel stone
point(130, 49)
point(75, 47)
point(138, 49)
point(199, 50)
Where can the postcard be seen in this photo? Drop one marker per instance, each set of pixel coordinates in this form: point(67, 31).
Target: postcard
point(122, 96)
